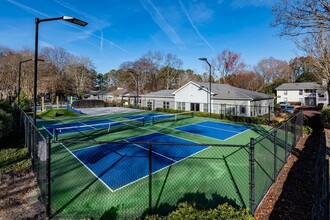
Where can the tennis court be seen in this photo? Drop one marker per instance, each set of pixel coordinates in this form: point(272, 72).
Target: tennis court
point(172, 155)
point(218, 130)
point(109, 162)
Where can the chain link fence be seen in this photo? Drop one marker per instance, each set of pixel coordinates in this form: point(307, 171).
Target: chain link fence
point(114, 180)
point(38, 147)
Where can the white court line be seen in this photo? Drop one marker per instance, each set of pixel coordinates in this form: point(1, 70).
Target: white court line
point(178, 161)
point(151, 151)
point(218, 129)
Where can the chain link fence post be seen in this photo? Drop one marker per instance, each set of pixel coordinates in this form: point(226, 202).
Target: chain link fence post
point(275, 155)
point(286, 142)
point(150, 179)
point(252, 184)
point(48, 178)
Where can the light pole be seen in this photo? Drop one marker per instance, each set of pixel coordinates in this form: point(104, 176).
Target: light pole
point(37, 22)
point(205, 59)
point(19, 80)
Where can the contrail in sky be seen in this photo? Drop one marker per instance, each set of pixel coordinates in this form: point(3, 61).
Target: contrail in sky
point(101, 43)
point(159, 19)
point(194, 26)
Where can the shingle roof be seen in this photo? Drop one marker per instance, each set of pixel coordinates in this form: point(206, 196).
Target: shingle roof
point(297, 86)
point(225, 91)
point(160, 93)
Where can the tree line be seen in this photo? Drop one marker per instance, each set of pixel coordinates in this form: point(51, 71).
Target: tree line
point(306, 22)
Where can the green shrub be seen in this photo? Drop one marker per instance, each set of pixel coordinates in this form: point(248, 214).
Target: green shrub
point(6, 123)
point(23, 101)
point(56, 113)
point(325, 117)
point(186, 211)
point(307, 130)
point(5, 106)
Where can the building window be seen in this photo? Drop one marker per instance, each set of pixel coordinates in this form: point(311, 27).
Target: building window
point(259, 107)
point(183, 106)
point(242, 109)
point(206, 109)
point(300, 91)
point(166, 104)
point(286, 92)
point(149, 104)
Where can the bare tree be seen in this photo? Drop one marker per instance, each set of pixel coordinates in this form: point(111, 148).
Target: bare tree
point(170, 70)
point(302, 65)
point(228, 62)
point(296, 17)
point(82, 75)
point(272, 69)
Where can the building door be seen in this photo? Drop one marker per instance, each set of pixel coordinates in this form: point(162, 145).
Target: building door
point(194, 107)
point(151, 104)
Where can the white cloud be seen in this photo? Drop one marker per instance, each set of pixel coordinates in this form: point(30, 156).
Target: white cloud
point(255, 3)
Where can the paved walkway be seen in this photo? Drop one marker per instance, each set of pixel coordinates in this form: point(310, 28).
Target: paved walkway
point(107, 110)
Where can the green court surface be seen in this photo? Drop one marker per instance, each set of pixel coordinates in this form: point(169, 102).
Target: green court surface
point(217, 174)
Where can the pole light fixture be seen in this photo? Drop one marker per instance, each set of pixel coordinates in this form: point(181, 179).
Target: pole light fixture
point(37, 22)
point(19, 80)
point(205, 59)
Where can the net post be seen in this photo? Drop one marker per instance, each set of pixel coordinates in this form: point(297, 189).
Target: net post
point(48, 178)
point(275, 155)
point(109, 127)
point(55, 135)
point(252, 184)
point(150, 178)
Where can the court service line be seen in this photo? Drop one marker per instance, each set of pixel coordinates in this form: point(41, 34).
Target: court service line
point(216, 128)
point(151, 151)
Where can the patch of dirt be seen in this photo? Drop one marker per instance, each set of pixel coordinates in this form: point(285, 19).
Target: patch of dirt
point(291, 196)
point(19, 197)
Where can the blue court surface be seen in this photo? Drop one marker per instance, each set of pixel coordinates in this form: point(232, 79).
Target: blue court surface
point(81, 126)
point(118, 165)
point(148, 117)
point(218, 130)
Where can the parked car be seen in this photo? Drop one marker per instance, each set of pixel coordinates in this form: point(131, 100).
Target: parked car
point(282, 105)
point(289, 109)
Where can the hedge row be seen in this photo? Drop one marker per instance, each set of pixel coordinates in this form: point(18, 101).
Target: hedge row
point(242, 119)
point(186, 211)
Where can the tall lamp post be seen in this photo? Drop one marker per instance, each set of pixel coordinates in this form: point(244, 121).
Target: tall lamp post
point(37, 22)
point(205, 59)
point(19, 80)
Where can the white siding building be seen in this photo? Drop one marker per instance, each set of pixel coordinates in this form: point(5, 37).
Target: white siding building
point(225, 99)
point(307, 93)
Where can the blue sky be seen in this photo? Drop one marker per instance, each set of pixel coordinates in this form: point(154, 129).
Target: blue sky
point(120, 31)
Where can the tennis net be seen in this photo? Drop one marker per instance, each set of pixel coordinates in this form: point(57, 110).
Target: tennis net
point(90, 129)
point(171, 117)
